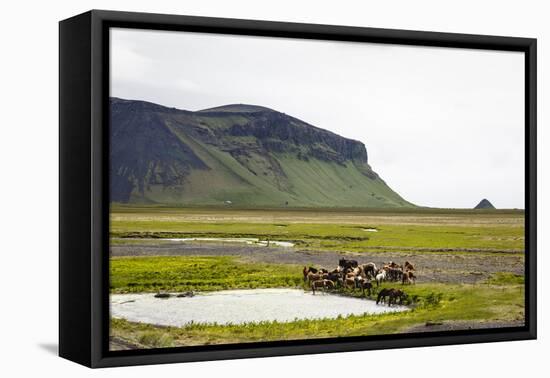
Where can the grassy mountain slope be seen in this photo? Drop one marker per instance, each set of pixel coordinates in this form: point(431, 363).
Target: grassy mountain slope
point(243, 154)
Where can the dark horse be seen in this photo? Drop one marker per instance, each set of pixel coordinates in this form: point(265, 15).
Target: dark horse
point(334, 277)
point(392, 294)
point(347, 263)
point(383, 294)
point(366, 285)
point(395, 295)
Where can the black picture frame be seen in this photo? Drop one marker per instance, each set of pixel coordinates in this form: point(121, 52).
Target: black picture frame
point(84, 187)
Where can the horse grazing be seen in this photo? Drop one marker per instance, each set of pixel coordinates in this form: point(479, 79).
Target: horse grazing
point(395, 295)
point(392, 294)
point(383, 294)
point(408, 266)
point(323, 284)
point(347, 263)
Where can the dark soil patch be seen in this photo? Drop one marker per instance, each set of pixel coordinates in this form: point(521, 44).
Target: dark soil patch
point(462, 325)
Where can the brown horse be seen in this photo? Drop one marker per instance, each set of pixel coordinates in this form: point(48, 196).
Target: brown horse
point(306, 271)
point(313, 277)
point(349, 283)
point(408, 266)
point(369, 269)
point(323, 284)
point(408, 277)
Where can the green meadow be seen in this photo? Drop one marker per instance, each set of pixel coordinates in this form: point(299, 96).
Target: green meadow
point(411, 229)
point(198, 273)
point(497, 298)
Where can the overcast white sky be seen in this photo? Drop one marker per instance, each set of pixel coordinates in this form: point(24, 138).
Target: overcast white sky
point(443, 127)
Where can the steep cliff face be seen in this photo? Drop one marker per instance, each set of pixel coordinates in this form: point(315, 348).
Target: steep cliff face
point(243, 154)
point(278, 132)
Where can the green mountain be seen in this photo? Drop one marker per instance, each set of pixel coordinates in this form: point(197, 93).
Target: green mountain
point(239, 155)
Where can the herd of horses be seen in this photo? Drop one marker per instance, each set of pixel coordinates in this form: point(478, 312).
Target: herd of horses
point(352, 275)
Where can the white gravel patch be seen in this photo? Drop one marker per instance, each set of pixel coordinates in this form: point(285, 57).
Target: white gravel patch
point(250, 241)
point(241, 306)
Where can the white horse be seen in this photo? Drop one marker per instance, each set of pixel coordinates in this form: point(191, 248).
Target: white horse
point(380, 277)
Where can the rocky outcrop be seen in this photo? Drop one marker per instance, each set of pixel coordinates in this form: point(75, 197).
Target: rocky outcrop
point(279, 132)
point(484, 204)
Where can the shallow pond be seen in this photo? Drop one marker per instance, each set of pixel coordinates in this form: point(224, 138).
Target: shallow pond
point(254, 241)
point(240, 306)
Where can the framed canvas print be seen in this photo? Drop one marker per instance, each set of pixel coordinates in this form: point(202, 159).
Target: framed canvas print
point(234, 188)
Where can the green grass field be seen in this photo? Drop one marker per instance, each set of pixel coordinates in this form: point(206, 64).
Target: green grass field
point(498, 299)
point(433, 233)
point(489, 231)
point(200, 273)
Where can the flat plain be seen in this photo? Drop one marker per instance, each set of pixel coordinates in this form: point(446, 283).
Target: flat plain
point(469, 266)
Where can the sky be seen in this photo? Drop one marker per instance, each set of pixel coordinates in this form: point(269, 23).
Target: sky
point(444, 127)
